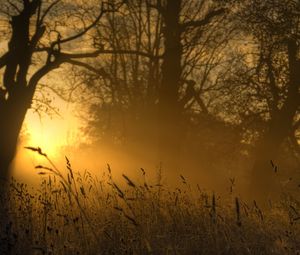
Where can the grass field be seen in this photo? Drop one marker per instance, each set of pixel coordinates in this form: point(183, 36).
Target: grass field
point(73, 213)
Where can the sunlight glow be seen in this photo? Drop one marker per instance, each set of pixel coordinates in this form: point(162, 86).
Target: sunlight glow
point(50, 134)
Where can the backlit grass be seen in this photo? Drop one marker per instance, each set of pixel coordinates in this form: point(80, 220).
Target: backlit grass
point(77, 213)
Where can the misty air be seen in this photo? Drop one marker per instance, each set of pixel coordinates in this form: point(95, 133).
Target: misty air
point(150, 127)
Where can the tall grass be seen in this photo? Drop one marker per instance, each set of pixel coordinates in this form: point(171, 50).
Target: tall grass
point(77, 213)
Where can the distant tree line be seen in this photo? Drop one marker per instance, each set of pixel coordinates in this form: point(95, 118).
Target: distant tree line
point(205, 82)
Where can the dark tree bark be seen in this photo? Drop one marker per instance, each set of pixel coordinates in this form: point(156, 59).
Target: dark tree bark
point(16, 96)
point(18, 87)
point(170, 123)
point(279, 128)
point(171, 118)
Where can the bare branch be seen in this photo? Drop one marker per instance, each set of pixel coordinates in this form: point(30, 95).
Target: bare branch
point(157, 6)
point(83, 32)
point(61, 58)
point(39, 74)
point(99, 52)
point(48, 10)
point(14, 6)
point(206, 20)
point(40, 30)
point(67, 56)
point(100, 71)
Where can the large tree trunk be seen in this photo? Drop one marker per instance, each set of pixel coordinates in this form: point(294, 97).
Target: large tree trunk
point(14, 102)
point(170, 114)
point(15, 99)
point(13, 114)
point(18, 87)
point(16, 96)
point(263, 186)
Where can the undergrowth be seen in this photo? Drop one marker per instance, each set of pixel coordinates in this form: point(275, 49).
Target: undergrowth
point(78, 213)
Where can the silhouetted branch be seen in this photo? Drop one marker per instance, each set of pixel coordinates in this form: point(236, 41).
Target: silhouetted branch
point(157, 6)
point(40, 30)
point(38, 75)
point(66, 56)
point(14, 6)
point(100, 71)
point(48, 10)
point(93, 24)
point(61, 57)
point(99, 52)
point(206, 20)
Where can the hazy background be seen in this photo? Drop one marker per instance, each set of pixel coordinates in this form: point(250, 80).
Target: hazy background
point(206, 89)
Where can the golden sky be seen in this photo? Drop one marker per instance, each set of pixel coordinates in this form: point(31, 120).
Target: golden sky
point(52, 133)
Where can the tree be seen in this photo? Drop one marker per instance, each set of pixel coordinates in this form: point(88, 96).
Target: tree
point(38, 31)
point(274, 83)
point(177, 28)
point(43, 35)
point(158, 80)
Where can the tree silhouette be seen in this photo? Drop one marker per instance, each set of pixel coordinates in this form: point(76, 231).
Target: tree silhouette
point(147, 90)
point(274, 80)
point(37, 33)
point(175, 30)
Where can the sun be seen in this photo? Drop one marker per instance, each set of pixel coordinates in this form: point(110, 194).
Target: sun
point(51, 134)
point(43, 133)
